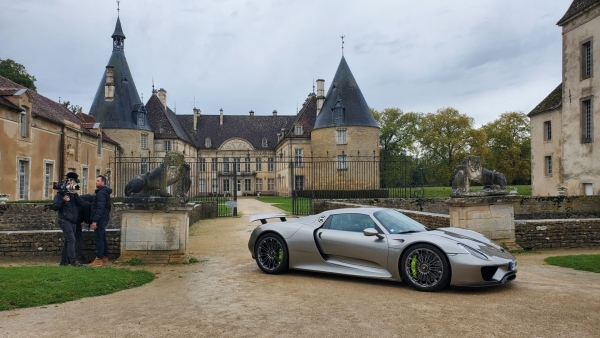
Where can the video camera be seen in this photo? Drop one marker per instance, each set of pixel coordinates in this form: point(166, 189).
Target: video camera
point(69, 185)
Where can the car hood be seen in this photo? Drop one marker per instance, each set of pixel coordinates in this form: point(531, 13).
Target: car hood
point(472, 239)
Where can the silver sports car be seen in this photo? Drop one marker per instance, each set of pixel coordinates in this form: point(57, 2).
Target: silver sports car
point(380, 243)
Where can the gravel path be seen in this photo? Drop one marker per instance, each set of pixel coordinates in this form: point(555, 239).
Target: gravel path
point(226, 295)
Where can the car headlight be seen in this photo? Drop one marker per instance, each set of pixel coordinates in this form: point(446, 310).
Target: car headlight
point(473, 252)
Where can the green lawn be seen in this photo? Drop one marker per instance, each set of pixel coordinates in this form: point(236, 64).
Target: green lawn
point(431, 192)
point(41, 285)
point(283, 203)
point(577, 262)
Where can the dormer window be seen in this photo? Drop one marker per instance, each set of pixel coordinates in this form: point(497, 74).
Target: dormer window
point(24, 122)
point(265, 143)
point(141, 119)
point(298, 130)
point(207, 142)
point(338, 113)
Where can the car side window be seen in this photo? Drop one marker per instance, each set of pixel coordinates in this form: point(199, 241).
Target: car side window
point(351, 222)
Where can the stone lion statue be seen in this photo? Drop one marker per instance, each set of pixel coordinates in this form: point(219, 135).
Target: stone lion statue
point(173, 170)
point(472, 170)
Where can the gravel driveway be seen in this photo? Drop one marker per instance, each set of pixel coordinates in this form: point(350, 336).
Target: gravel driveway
point(226, 295)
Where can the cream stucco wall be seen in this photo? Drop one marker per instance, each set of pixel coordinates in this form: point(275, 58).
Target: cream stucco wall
point(543, 184)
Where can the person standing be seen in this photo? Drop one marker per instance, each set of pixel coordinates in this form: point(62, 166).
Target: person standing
point(100, 215)
point(66, 204)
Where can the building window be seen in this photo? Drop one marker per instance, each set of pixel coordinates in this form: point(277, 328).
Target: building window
point(48, 175)
point(548, 165)
point(271, 184)
point(214, 185)
point(207, 143)
point(141, 119)
point(226, 164)
point(247, 184)
point(202, 164)
point(98, 174)
point(341, 136)
point(586, 59)
point(236, 163)
point(298, 130)
point(265, 143)
point(298, 157)
point(23, 179)
point(144, 166)
point(259, 184)
point(299, 183)
point(547, 131)
point(167, 146)
point(24, 123)
point(586, 121)
point(226, 185)
point(588, 189)
point(342, 162)
point(84, 180)
point(213, 164)
point(202, 185)
point(271, 164)
point(144, 141)
point(108, 176)
point(247, 165)
point(258, 164)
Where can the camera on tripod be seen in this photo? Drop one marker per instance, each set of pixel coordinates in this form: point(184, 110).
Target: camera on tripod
point(69, 185)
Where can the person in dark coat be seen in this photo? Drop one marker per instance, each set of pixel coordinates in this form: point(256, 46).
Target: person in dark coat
point(84, 216)
point(67, 204)
point(100, 215)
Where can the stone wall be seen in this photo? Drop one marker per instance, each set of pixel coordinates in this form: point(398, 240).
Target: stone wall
point(48, 243)
point(203, 210)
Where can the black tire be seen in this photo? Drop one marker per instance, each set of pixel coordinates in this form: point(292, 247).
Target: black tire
point(271, 254)
point(425, 268)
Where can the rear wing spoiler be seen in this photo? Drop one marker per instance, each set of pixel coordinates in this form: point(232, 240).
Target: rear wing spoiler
point(263, 217)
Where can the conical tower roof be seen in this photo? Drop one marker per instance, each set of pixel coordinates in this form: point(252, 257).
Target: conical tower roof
point(345, 94)
point(122, 111)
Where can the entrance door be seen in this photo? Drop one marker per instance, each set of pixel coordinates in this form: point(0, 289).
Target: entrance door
point(239, 187)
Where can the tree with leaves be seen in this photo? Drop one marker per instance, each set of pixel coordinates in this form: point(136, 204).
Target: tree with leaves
point(398, 133)
point(509, 144)
point(72, 107)
point(16, 72)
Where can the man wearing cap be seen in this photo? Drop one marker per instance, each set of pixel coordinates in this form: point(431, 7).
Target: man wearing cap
point(66, 204)
point(100, 215)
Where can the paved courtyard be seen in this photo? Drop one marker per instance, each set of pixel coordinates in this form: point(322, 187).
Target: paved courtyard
point(226, 295)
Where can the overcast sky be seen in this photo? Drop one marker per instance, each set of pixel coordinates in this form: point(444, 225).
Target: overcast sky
point(482, 57)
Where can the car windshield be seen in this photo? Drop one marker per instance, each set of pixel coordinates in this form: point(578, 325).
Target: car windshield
point(397, 223)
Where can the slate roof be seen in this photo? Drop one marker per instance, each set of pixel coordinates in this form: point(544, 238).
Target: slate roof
point(577, 6)
point(345, 88)
point(551, 102)
point(118, 30)
point(250, 128)
point(306, 118)
point(164, 121)
point(86, 117)
point(118, 114)
point(5, 102)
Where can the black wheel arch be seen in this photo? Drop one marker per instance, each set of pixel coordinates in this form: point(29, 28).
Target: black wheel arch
point(429, 243)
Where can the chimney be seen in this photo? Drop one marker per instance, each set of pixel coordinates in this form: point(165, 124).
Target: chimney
point(320, 94)
point(109, 85)
point(252, 113)
point(162, 96)
point(197, 113)
point(221, 118)
point(274, 112)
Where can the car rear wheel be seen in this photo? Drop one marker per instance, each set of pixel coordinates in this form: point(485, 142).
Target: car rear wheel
point(425, 268)
point(271, 254)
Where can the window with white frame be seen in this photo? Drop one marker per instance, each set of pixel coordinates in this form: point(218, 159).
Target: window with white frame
point(247, 165)
point(226, 164)
point(342, 162)
point(247, 184)
point(548, 165)
point(207, 142)
point(547, 131)
point(236, 163)
point(586, 59)
point(84, 179)
point(213, 164)
point(259, 184)
point(214, 185)
point(167, 145)
point(144, 141)
point(97, 173)
point(23, 179)
point(99, 146)
point(298, 130)
point(226, 185)
point(48, 175)
point(341, 136)
point(202, 164)
point(201, 185)
point(587, 123)
point(144, 166)
point(258, 164)
point(271, 164)
point(298, 157)
point(299, 182)
point(24, 122)
point(271, 184)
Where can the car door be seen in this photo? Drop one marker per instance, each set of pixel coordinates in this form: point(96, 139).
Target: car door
point(341, 238)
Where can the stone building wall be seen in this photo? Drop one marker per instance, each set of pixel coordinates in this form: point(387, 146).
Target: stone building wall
point(543, 184)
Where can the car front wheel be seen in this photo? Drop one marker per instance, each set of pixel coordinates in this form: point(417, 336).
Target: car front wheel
point(271, 254)
point(425, 268)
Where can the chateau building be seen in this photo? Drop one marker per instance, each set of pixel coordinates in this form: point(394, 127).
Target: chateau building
point(564, 126)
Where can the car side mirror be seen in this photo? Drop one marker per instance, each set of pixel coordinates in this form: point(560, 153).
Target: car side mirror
point(372, 232)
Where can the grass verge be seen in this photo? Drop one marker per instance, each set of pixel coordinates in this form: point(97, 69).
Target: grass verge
point(578, 262)
point(22, 287)
point(285, 203)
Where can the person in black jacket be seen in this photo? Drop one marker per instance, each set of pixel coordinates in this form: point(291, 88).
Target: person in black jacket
point(100, 215)
point(67, 204)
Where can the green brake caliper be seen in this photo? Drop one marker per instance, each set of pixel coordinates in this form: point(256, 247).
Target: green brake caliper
point(280, 255)
point(413, 266)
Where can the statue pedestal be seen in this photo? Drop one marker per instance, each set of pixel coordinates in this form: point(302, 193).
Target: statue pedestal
point(154, 229)
point(492, 216)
